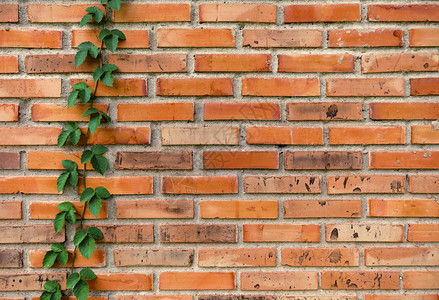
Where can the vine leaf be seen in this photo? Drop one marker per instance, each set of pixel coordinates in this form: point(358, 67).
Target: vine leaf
point(58, 252)
point(72, 280)
point(113, 4)
point(95, 233)
point(85, 48)
point(87, 194)
point(59, 221)
point(70, 175)
point(87, 246)
point(87, 274)
point(81, 91)
point(81, 290)
point(99, 162)
point(105, 74)
point(95, 118)
point(93, 12)
point(51, 291)
point(72, 131)
point(111, 38)
point(49, 259)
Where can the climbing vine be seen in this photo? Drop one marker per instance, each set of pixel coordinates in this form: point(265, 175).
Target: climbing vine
point(83, 240)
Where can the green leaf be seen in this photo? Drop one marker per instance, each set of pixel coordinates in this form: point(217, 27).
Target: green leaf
point(80, 57)
point(71, 125)
point(87, 194)
point(79, 236)
point(73, 178)
point(46, 296)
point(95, 205)
point(75, 136)
point(56, 296)
point(97, 73)
point(108, 79)
point(81, 290)
point(61, 181)
point(72, 280)
point(63, 257)
point(51, 286)
point(109, 67)
point(65, 206)
point(57, 247)
point(98, 149)
point(99, 163)
point(119, 34)
point(69, 165)
point(87, 274)
point(104, 33)
point(97, 13)
point(102, 192)
point(87, 246)
point(71, 216)
point(80, 85)
point(94, 122)
point(95, 233)
point(59, 221)
point(62, 138)
point(90, 111)
point(85, 95)
point(85, 19)
point(49, 259)
point(114, 4)
point(86, 156)
point(72, 98)
point(111, 42)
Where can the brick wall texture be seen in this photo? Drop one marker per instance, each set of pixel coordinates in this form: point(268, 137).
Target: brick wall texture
point(259, 149)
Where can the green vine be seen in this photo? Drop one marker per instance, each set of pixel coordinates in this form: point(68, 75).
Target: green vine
point(84, 240)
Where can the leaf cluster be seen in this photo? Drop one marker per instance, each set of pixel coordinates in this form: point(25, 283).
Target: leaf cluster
point(85, 240)
point(51, 291)
point(78, 282)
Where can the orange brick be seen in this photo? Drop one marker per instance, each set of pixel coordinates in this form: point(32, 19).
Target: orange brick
point(121, 282)
point(125, 233)
point(134, 38)
point(10, 210)
point(127, 185)
point(118, 136)
point(15, 38)
point(415, 208)
point(8, 64)
point(360, 280)
point(73, 298)
point(420, 280)
point(154, 209)
point(404, 160)
point(232, 62)
point(365, 38)
point(28, 185)
point(256, 184)
point(154, 297)
point(154, 160)
point(279, 281)
point(280, 87)
point(194, 86)
point(366, 184)
point(9, 112)
point(195, 37)
point(340, 12)
point(29, 282)
point(52, 160)
point(281, 233)
point(57, 63)
point(364, 87)
point(235, 209)
point(9, 161)
point(320, 257)
point(149, 63)
point(326, 111)
point(423, 233)
point(11, 258)
point(122, 87)
point(199, 185)
point(155, 112)
point(362, 232)
point(283, 38)
point(198, 233)
point(241, 111)
point(136, 257)
point(160, 12)
point(236, 297)
point(404, 111)
point(401, 297)
point(424, 37)
point(423, 184)
point(237, 12)
point(401, 62)
point(214, 135)
point(323, 160)
point(30, 88)
point(61, 13)
point(424, 86)
point(8, 13)
point(30, 234)
point(424, 135)
point(197, 281)
point(330, 208)
point(285, 135)
point(366, 135)
point(48, 210)
point(48, 112)
point(401, 256)
point(223, 258)
point(97, 259)
point(240, 160)
point(316, 63)
point(403, 12)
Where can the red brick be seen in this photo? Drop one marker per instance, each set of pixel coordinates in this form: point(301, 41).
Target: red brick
point(401, 297)
point(194, 86)
point(364, 87)
point(403, 111)
point(420, 280)
point(323, 160)
point(118, 136)
point(423, 233)
point(97, 259)
point(320, 257)
point(127, 185)
point(235, 209)
point(316, 63)
point(367, 135)
point(280, 87)
point(122, 87)
point(135, 257)
point(197, 281)
point(9, 112)
point(423, 184)
point(404, 160)
point(281, 233)
point(198, 233)
point(154, 209)
point(57, 63)
point(232, 62)
point(340, 12)
point(328, 208)
point(199, 185)
point(237, 12)
point(48, 112)
point(9, 160)
point(160, 12)
point(279, 281)
point(255, 184)
point(223, 258)
point(424, 37)
point(155, 112)
point(134, 38)
point(214, 135)
point(48, 210)
point(10, 210)
point(8, 13)
point(411, 208)
point(425, 135)
point(236, 297)
point(241, 111)
point(10, 282)
point(73, 298)
point(283, 38)
point(285, 135)
point(52, 160)
point(121, 282)
point(57, 13)
point(8, 64)
point(424, 86)
point(154, 297)
point(401, 62)
point(154, 160)
point(30, 234)
point(11, 258)
point(15, 38)
point(324, 111)
point(403, 12)
point(365, 38)
point(360, 280)
point(30, 88)
point(401, 256)
point(28, 185)
point(149, 63)
point(364, 232)
point(366, 184)
point(125, 233)
point(240, 160)
point(195, 37)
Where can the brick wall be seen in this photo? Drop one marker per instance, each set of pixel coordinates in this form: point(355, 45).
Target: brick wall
point(262, 149)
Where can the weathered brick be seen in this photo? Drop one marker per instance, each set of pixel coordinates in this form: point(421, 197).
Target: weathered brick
point(198, 233)
point(134, 38)
point(9, 112)
point(154, 297)
point(32, 234)
point(327, 208)
point(152, 12)
point(154, 160)
point(97, 259)
point(240, 160)
point(372, 184)
point(127, 185)
point(118, 136)
point(404, 160)
point(283, 38)
point(194, 86)
point(235, 209)
point(213, 135)
point(57, 63)
point(48, 112)
point(237, 12)
point(401, 256)
point(302, 184)
point(285, 135)
point(281, 233)
point(364, 87)
point(403, 111)
point(362, 232)
point(323, 160)
point(420, 280)
point(232, 62)
point(283, 87)
point(337, 12)
point(155, 112)
point(195, 37)
point(416, 208)
point(316, 63)
point(122, 87)
point(223, 258)
point(360, 280)
point(278, 281)
point(197, 281)
point(10, 210)
point(365, 38)
point(403, 12)
point(48, 211)
point(320, 257)
point(8, 13)
point(424, 86)
point(149, 63)
point(30, 88)
point(10, 282)
point(28, 185)
point(325, 111)
point(424, 37)
point(8, 64)
point(154, 209)
point(16, 38)
point(318, 297)
point(153, 257)
point(401, 62)
point(125, 233)
point(11, 258)
point(366, 135)
point(424, 134)
point(241, 111)
point(423, 233)
point(236, 297)
point(57, 13)
point(423, 184)
point(400, 297)
point(121, 282)
point(9, 160)
point(199, 185)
